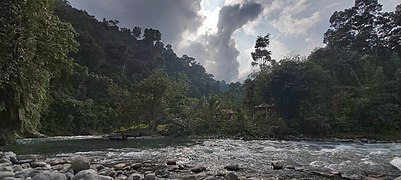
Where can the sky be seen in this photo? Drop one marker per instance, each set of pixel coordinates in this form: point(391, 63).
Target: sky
point(221, 34)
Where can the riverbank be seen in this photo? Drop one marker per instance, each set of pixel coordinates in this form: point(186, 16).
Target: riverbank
point(15, 167)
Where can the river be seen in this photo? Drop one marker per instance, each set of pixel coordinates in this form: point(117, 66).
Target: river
point(353, 160)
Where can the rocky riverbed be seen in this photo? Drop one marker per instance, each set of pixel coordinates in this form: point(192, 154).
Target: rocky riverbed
point(14, 167)
point(169, 158)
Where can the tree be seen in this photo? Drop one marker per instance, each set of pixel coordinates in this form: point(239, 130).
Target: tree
point(355, 28)
point(152, 93)
point(261, 56)
point(34, 49)
point(136, 32)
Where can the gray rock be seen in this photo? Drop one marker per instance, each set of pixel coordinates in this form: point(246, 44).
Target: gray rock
point(232, 167)
point(112, 173)
point(58, 167)
point(242, 178)
point(25, 165)
point(5, 161)
point(5, 164)
point(49, 176)
point(119, 166)
point(277, 165)
point(150, 176)
point(80, 164)
point(58, 162)
point(17, 168)
point(25, 161)
point(10, 156)
point(231, 176)
point(27, 173)
point(20, 175)
point(210, 178)
point(190, 177)
point(290, 167)
point(105, 171)
point(136, 166)
point(171, 162)
point(7, 168)
point(69, 176)
point(198, 169)
point(253, 178)
point(85, 174)
point(67, 168)
point(38, 164)
point(97, 167)
point(6, 174)
point(122, 177)
point(100, 177)
point(399, 178)
point(12, 178)
point(31, 158)
point(134, 177)
point(44, 168)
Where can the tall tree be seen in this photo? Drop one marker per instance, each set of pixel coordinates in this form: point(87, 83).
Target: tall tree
point(261, 56)
point(34, 48)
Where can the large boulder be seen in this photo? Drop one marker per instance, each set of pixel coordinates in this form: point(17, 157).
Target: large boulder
point(49, 176)
point(79, 164)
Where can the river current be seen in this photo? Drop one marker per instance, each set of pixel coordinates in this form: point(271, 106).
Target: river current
point(353, 160)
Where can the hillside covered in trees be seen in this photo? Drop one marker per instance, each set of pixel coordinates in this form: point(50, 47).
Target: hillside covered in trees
point(65, 73)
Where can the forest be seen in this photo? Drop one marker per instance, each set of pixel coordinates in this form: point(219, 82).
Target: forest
point(63, 72)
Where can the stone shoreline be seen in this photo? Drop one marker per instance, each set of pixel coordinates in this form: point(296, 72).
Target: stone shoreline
point(14, 167)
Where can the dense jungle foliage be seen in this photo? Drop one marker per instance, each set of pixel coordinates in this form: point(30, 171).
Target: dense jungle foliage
point(62, 72)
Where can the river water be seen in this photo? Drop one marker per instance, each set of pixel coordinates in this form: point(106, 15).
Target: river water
point(353, 160)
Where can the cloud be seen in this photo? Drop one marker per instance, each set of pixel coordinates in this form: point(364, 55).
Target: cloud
point(218, 52)
point(288, 24)
point(172, 18)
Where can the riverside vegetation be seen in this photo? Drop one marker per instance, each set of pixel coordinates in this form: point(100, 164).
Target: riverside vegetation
point(62, 72)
